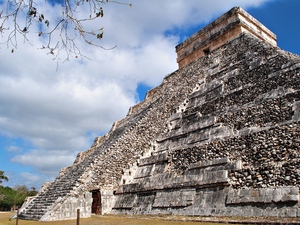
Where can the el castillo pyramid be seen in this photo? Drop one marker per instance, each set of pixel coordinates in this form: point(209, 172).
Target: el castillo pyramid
point(219, 136)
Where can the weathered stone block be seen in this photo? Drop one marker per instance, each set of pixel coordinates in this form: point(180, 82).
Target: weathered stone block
point(159, 169)
point(296, 109)
point(220, 131)
point(202, 123)
point(263, 195)
point(125, 201)
point(199, 136)
point(276, 196)
point(209, 163)
point(158, 158)
point(143, 171)
point(165, 199)
point(290, 194)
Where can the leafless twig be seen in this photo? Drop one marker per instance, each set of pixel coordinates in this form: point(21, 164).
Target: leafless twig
point(63, 34)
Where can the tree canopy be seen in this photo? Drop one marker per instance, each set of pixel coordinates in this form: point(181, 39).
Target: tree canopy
point(61, 32)
point(2, 176)
point(12, 198)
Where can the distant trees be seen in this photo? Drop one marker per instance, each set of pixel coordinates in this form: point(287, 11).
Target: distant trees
point(13, 198)
point(2, 177)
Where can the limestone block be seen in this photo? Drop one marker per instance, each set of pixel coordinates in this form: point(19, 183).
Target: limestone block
point(256, 63)
point(260, 195)
point(296, 109)
point(209, 163)
point(276, 196)
point(144, 203)
point(107, 201)
point(163, 143)
point(196, 101)
point(125, 201)
point(273, 211)
point(214, 177)
point(268, 197)
point(154, 183)
point(175, 116)
point(290, 194)
point(232, 73)
point(288, 212)
point(235, 165)
point(220, 131)
point(129, 188)
point(183, 197)
point(158, 158)
point(159, 168)
point(202, 123)
point(275, 74)
point(215, 93)
point(170, 135)
point(215, 69)
point(263, 195)
point(214, 84)
point(143, 171)
point(199, 136)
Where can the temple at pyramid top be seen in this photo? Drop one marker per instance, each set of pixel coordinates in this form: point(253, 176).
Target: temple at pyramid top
point(219, 32)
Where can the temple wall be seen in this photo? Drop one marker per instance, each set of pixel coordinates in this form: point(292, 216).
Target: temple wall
point(224, 29)
point(66, 208)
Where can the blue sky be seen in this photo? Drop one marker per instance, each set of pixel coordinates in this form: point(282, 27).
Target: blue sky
point(47, 116)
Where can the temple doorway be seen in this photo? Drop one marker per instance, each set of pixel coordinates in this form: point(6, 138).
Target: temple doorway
point(96, 205)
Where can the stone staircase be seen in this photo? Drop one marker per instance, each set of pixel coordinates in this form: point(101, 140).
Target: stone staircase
point(46, 199)
point(70, 179)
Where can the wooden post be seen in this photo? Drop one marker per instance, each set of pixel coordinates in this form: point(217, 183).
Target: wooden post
point(78, 217)
point(17, 219)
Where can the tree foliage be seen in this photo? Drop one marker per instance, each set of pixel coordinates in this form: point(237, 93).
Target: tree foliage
point(2, 176)
point(61, 34)
point(13, 198)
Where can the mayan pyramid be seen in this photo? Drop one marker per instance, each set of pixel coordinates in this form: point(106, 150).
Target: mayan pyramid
point(219, 136)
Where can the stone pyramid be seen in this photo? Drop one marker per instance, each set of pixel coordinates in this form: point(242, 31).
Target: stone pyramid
point(219, 136)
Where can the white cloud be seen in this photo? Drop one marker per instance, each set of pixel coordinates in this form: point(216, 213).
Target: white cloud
point(29, 178)
point(14, 149)
point(26, 178)
point(48, 163)
point(61, 111)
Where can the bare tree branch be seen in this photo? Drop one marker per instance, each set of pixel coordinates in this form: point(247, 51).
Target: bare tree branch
point(64, 34)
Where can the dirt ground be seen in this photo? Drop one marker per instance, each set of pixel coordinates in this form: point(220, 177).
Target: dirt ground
point(153, 220)
point(102, 220)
